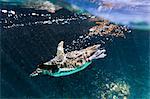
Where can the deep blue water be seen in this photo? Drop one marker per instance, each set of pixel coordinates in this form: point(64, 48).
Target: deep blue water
point(22, 48)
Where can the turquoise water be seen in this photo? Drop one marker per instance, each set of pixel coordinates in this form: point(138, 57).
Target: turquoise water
point(22, 48)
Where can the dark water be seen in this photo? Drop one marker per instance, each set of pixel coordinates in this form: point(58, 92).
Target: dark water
point(22, 48)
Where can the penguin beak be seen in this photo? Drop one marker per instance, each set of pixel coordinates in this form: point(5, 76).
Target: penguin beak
point(33, 74)
point(36, 72)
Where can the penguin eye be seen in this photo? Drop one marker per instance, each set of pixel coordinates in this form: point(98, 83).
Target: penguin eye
point(38, 70)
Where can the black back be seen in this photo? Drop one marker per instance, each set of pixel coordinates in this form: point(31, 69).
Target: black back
point(54, 68)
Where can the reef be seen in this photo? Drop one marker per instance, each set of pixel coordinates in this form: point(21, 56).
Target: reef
point(115, 90)
point(105, 28)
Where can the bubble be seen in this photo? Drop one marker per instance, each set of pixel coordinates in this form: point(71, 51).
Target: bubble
point(4, 11)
